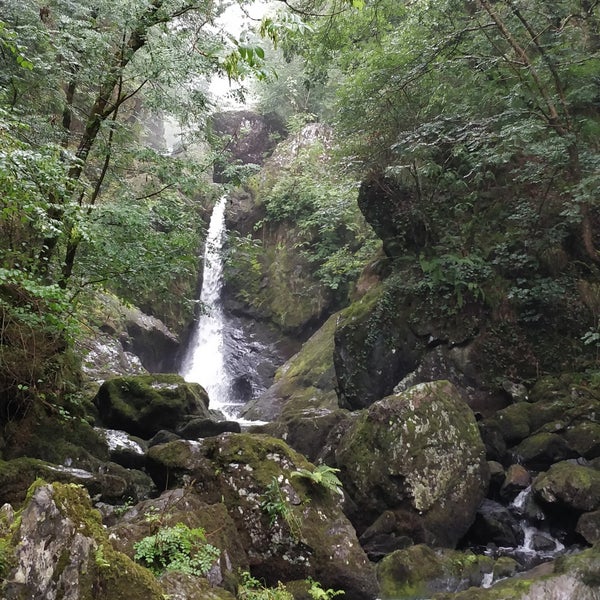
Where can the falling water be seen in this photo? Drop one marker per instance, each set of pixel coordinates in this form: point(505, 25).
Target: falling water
point(205, 361)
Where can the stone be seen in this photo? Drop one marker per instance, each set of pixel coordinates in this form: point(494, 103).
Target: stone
point(573, 577)
point(201, 428)
point(184, 506)
point(383, 538)
point(588, 527)
point(290, 528)
point(494, 523)
point(145, 404)
point(517, 479)
point(570, 486)
point(63, 552)
point(374, 349)
point(420, 572)
point(541, 450)
point(422, 452)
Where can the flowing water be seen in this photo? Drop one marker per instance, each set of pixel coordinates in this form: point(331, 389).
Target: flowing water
point(205, 360)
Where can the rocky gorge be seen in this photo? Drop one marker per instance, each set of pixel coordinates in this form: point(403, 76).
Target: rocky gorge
point(402, 450)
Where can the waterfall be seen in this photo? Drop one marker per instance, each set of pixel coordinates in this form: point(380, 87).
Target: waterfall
point(205, 360)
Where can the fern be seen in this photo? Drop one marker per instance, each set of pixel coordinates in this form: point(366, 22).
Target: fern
point(323, 475)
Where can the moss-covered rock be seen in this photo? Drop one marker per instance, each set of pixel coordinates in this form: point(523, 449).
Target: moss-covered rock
point(420, 452)
point(185, 506)
point(574, 577)
point(109, 481)
point(375, 347)
point(289, 527)
point(145, 404)
point(61, 550)
point(418, 572)
point(569, 485)
point(541, 450)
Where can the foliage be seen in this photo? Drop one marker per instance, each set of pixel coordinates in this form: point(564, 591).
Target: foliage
point(462, 277)
point(252, 589)
point(275, 505)
point(316, 198)
point(316, 591)
point(322, 475)
point(177, 548)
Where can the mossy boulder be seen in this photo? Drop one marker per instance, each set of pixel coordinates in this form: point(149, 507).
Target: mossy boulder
point(375, 348)
point(541, 450)
point(109, 481)
point(418, 572)
point(419, 452)
point(573, 577)
point(184, 506)
point(145, 404)
point(569, 485)
point(290, 527)
point(60, 550)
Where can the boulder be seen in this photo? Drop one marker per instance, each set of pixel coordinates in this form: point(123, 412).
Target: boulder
point(290, 527)
point(495, 524)
point(569, 485)
point(184, 506)
point(145, 404)
point(517, 479)
point(418, 572)
point(201, 428)
point(151, 340)
point(109, 482)
point(375, 348)
point(61, 551)
point(588, 527)
point(418, 452)
point(541, 450)
point(573, 577)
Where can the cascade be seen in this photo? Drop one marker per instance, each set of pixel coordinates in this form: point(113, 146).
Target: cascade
point(205, 359)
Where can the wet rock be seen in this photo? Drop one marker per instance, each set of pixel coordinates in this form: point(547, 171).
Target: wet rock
point(588, 526)
point(494, 523)
point(569, 485)
point(513, 422)
point(124, 449)
point(289, 528)
point(541, 450)
point(162, 437)
point(422, 452)
point(517, 479)
point(383, 537)
point(497, 476)
point(573, 577)
point(420, 572)
point(145, 404)
point(201, 428)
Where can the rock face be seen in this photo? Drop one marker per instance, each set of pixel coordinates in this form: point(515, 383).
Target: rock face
point(145, 404)
point(419, 454)
point(64, 553)
point(252, 137)
point(374, 350)
point(289, 527)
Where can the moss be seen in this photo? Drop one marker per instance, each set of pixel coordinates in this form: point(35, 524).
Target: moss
point(418, 571)
point(513, 422)
point(571, 485)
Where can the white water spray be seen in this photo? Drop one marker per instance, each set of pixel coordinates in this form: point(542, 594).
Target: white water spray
point(205, 362)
